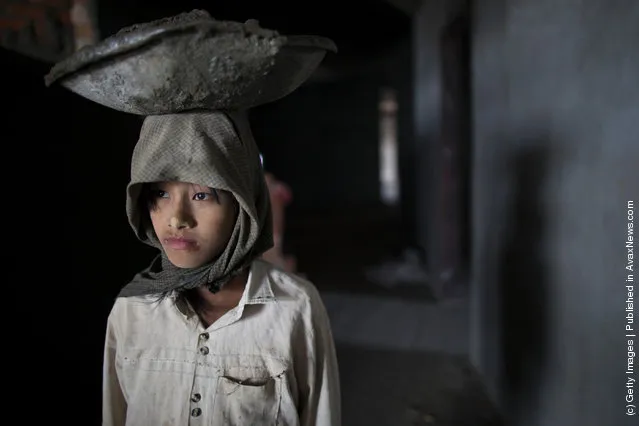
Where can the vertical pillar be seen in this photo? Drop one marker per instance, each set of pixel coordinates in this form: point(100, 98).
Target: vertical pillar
point(436, 222)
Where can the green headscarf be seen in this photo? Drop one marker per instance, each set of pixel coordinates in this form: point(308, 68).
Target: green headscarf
point(214, 149)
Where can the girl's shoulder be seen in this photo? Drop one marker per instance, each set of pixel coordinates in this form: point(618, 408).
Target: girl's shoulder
point(287, 286)
point(135, 306)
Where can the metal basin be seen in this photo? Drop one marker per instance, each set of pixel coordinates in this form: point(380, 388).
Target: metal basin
point(190, 62)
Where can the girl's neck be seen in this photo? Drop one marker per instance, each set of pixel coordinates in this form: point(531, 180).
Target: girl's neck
point(211, 306)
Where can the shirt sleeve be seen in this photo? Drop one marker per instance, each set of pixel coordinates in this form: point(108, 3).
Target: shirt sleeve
point(113, 402)
point(318, 375)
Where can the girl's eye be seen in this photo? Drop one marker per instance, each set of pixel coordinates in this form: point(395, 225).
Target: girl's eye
point(201, 196)
point(161, 194)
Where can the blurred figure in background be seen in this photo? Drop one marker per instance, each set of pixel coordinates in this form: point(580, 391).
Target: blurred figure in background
point(281, 196)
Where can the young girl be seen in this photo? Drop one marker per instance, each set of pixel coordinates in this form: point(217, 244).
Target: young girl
point(209, 334)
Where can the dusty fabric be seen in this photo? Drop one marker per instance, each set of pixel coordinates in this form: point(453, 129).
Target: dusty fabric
point(213, 149)
point(162, 367)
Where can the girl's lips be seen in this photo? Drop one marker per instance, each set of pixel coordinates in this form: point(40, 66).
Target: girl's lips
point(180, 243)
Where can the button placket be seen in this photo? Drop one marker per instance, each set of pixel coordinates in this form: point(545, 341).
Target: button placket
point(196, 397)
point(204, 337)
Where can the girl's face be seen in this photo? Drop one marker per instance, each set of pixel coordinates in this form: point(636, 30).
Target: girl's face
point(193, 223)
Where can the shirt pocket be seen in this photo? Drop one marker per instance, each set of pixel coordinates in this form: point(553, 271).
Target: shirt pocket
point(242, 401)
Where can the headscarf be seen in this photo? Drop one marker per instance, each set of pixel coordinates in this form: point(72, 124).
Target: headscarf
point(213, 149)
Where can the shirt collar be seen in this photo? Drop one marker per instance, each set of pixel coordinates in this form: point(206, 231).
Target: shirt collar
point(258, 286)
point(258, 290)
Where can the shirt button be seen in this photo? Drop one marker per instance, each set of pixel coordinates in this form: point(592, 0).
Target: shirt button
point(204, 350)
point(204, 336)
point(196, 397)
point(196, 412)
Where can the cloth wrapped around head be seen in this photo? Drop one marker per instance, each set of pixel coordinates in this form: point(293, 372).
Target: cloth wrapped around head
point(213, 149)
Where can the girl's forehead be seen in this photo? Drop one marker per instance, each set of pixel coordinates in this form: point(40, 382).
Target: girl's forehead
point(181, 185)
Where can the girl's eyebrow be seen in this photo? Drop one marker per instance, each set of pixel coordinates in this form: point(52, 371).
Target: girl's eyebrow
point(201, 188)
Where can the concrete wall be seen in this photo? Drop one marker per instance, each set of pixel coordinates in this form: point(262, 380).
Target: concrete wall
point(556, 110)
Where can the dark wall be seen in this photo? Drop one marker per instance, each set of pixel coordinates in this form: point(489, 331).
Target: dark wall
point(324, 139)
point(70, 248)
point(556, 105)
